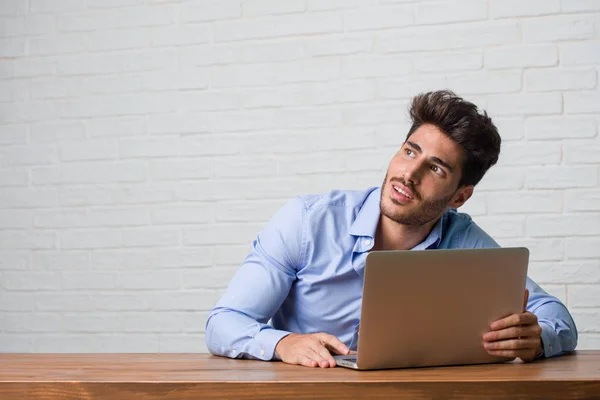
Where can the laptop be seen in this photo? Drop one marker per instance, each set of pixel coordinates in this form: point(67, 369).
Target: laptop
point(432, 307)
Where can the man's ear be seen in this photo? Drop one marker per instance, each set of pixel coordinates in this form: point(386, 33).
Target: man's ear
point(462, 195)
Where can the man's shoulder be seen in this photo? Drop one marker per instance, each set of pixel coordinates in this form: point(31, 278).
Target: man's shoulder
point(336, 199)
point(461, 231)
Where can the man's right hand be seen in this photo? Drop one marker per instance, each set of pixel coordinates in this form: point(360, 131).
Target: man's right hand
point(310, 350)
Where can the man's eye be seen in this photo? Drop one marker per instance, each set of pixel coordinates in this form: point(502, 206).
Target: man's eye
point(436, 169)
point(409, 152)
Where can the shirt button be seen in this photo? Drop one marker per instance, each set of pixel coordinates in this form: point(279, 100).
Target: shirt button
point(368, 242)
point(262, 352)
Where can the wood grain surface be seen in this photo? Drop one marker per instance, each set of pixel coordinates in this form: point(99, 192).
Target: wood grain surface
point(191, 376)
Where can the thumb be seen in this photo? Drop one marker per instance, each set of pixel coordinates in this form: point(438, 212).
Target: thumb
point(526, 299)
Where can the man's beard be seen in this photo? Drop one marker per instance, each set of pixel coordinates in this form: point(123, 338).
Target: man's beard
point(427, 211)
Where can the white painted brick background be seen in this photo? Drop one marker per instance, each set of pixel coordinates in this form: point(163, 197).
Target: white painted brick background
point(144, 143)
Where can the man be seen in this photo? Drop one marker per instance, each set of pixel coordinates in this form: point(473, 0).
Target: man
point(305, 269)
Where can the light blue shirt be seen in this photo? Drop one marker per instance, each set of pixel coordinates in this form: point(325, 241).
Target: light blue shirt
point(305, 273)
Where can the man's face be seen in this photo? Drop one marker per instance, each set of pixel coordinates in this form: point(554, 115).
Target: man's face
point(422, 179)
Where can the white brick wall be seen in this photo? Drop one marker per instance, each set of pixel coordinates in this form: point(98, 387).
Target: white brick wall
point(144, 143)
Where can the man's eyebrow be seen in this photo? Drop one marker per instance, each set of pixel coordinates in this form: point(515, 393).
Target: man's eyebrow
point(436, 160)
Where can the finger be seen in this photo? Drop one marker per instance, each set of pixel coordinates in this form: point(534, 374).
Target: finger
point(514, 344)
point(334, 344)
point(313, 352)
point(324, 357)
point(503, 353)
point(514, 332)
point(526, 300)
point(307, 362)
point(525, 318)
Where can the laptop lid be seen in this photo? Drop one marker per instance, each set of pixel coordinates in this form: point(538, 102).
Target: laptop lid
point(432, 307)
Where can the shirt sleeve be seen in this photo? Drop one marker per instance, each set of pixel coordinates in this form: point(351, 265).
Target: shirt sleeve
point(559, 332)
point(237, 325)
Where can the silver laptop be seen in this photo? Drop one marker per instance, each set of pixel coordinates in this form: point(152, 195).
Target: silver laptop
point(432, 307)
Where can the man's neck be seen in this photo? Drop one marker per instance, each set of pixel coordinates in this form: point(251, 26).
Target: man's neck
point(392, 235)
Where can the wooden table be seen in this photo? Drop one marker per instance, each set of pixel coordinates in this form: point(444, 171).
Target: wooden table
point(192, 376)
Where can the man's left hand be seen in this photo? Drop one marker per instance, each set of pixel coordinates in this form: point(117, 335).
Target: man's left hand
point(518, 335)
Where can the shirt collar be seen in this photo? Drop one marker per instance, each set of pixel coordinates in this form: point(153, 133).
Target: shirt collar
point(365, 224)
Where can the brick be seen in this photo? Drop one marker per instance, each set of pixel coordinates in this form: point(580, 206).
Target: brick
point(449, 61)
point(238, 75)
point(502, 178)
point(14, 260)
point(580, 5)
point(524, 104)
point(486, 82)
point(584, 296)
point(111, 3)
point(582, 102)
point(541, 80)
point(563, 127)
point(148, 147)
point(308, 118)
point(94, 323)
point(530, 154)
point(181, 169)
point(217, 100)
point(510, 128)
point(244, 167)
point(343, 92)
point(580, 53)
point(16, 301)
point(13, 134)
point(523, 8)
point(378, 18)
point(59, 44)
point(16, 343)
point(525, 202)
point(153, 322)
point(60, 260)
point(88, 150)
point(236, 211)
point(521, 56)
point(14, 91)
point(158, 258)
point(221, 234)
point(40, 24)
point(582, 200)
point(208, 145)
point(28, 323)
point(92, 218)
point(451, 11)
point(27, 67)
point(63, 301)
point(99, 172)
point(252, 120)
point(584, 271)
point(151, 237)
point(207, 278)
point(182, 215)
point(14, 7)
point(281, 26)
point(504, 227)
point(89, 239)
point(112, 195)
point(57, 132)
point(117, 18)
point(123, 62)
point(245, 53)
point(587, 320)
point(32, 111)
point(558, 291)
point(555, 28)
point(308, 71)
point(254, 8)
point(64, 343)
point(127, 343)
point(14, 176)
point(13, 26)
point(149, 280)
point(588, 341)
point(561, 177)
point(583, 247)
point(116, 126)
point(211, 11)
point(582, 154)
point(375, 66)
point(16, 219)
point(13, 47)
point(111, 301)
point(374, 114)
point(563, 225)
point(432, 38)
point(117, 105)
point(16, 240)
point(182, 343)
point(180, 35)
point(322, 5)
point(39, 6)
point(198, 300)
point(31, 280)
point(540, 249)
point(339, 45)
point(179, 123)
point(193, 78)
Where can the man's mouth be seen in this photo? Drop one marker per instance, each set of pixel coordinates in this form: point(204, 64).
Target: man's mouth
point(403, 190)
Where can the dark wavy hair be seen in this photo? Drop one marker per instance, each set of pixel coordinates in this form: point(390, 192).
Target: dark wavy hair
point(463, 123)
